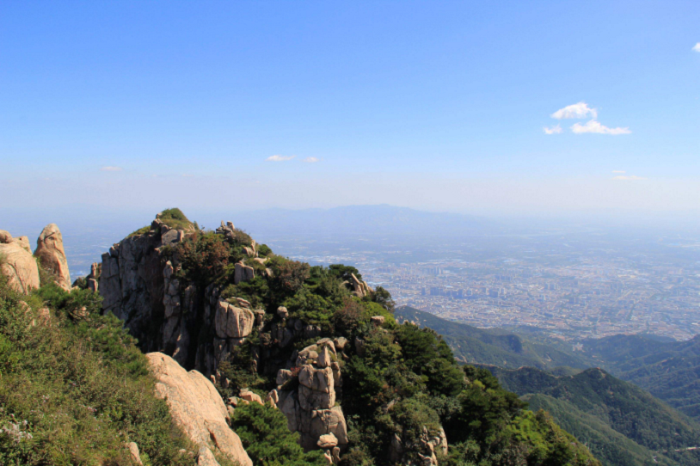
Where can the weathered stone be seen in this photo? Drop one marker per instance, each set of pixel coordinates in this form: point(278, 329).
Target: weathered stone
point(243, 273)
point(5, 237)
point(247, 395)
point(134, 452)
point(232, 321)
point(92, 285)
point(311, 400)
point(283, 376)
point(282, 312)
point(320, 380)
point(273, 397)
point(327, 441)
point(377, 321)
point(340, 343)
point(196, 407)
point(335, 367)
point(324, 359)
point(52, 256)
point(19, 266)
point(206, 458)
point(326, 342)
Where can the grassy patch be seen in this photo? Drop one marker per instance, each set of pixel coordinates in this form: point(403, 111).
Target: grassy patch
point(74, 391)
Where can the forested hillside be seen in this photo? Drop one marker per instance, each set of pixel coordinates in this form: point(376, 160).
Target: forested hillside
point(490, 346)
point(668, 370)
point(621, 423)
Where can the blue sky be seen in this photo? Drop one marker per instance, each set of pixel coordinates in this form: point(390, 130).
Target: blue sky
point(433, 105)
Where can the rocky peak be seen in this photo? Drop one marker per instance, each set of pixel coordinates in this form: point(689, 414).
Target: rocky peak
point(17, 263)
point(52, 256)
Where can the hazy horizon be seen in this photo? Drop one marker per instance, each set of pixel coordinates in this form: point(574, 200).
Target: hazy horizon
point(488, 109)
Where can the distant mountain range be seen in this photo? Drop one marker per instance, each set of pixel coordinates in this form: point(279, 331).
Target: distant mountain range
point(622, 424)
point(373, 220)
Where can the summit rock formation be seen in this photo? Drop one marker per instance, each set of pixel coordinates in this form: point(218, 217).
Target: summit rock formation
point(49, 251)
point(17, 263)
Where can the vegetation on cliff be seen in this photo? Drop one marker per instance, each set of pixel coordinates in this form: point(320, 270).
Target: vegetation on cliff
point(74, 387)
point(401, 386)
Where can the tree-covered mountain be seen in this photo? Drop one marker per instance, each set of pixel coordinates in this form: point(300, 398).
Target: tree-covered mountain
point(318, 345)
point(668, 370)
point(490, 346)
point(621, 423)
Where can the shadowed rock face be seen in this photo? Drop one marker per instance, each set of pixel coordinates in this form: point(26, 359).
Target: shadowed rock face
point(132, 286)
point(52, 256)
point(196, 408)
point(17, 263)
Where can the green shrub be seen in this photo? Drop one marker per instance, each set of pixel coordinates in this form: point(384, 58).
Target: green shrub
point(74, 391)
point(175, 219)
point(265, 436)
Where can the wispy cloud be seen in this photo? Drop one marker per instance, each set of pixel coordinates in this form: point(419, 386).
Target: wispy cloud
point(553, 130)
point(311, 160)
point(628, 178)
point(595, 127)
point(111, 169)
point(280, 158)
point(619, 171)
point(697, 47)
point(579, 110)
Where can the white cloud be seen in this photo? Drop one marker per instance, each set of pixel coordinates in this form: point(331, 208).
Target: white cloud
point(628, 178)
point(280, 158)
point(111, 169)
point(619, 171)
point(593, 126)
point(311, 160)
point(553, 130)
point(697, 47)
point(579, 110)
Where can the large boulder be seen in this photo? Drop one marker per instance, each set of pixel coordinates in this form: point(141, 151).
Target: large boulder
point(232, 321)
point(17, 263)
point(196, 407)
point(52, 256)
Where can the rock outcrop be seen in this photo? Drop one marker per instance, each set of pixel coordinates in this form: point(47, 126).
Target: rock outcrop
point(311, 407)
point(424, 448)
point(51, 255)
point(132, 283)
point(197, 408)
point(166, 313)
point(17, 263)
point(360, 288)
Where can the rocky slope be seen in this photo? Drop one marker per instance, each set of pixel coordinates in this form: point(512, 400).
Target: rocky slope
point(316, 343)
